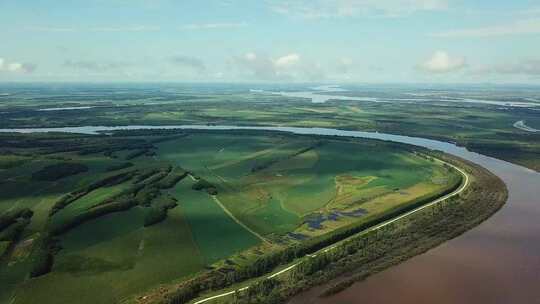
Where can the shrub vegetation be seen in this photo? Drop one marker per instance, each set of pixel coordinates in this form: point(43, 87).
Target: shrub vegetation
point(59, 171)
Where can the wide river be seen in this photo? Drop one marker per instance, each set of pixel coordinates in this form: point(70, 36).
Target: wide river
point(496, 262)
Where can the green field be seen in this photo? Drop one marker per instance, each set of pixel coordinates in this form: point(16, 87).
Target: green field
point(484, 128)
point(335, 176)
point(260, 187)
point(216, 235)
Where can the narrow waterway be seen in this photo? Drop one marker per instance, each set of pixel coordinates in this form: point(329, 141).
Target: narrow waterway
point(497, 262)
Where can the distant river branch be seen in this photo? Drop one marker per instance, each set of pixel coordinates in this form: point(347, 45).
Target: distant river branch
point(522, 126)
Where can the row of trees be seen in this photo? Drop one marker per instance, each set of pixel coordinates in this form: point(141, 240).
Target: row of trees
point(145, 190)
point(10, 217)
point(108, 181)
point(271, 162)
point(263, 265)
point(42, 254)
point(119, 167)
point(139, 152)
point(173, 178)
point(81, 144)
point(146, 186)
point(367, 249)
point(376, 250)
point(203, 184)
point(159, 209)
point(58, 171)
point(12, 224)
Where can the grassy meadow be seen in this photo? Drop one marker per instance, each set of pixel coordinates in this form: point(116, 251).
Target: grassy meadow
point(442, 113)
point(102, 219)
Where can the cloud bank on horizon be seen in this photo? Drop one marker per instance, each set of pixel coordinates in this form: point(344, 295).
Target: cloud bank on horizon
point(376, 41)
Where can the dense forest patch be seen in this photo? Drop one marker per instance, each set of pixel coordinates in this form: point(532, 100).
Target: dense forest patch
point(58, 171)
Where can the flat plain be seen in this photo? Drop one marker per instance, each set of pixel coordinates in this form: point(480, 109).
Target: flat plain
point(480, 118)
point(155, 207)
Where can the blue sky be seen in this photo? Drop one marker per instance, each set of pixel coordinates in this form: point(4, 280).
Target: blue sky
point(329, 41)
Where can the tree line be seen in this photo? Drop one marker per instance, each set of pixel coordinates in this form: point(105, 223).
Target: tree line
point(271, 162)
point(433, 225)
point(145, 191)
point(374, 251)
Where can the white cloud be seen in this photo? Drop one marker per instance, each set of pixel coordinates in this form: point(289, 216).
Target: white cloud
point(266, 68)
point(257, 66)
point(250, 56)
point(288, 67)
point(286, 61)
point(16, 67)
point(442, 62)
point(520, 27)
point(315, 9)
point(210, 26)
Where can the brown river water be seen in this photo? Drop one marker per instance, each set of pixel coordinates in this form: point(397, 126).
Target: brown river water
point(496, 262)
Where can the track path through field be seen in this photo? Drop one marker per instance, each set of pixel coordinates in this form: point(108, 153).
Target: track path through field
point(216, 199)
point(463, 186)
point(220, 204)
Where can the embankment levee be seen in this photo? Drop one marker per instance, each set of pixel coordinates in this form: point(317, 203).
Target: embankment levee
point(369, 251)
point(486, 195)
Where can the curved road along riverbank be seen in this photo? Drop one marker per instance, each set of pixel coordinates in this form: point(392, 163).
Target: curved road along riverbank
point(496, 262)
point(463, 186)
